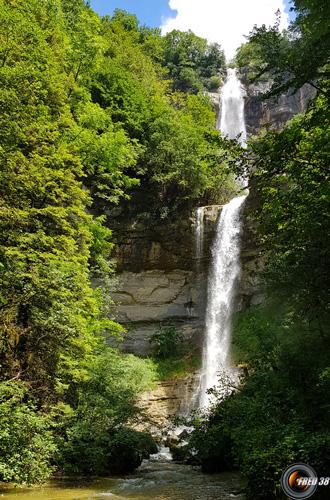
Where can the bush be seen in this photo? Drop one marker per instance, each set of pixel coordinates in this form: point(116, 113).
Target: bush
point(26, 442)
point(175, 368)
point(111, 452)
point(106, 402)
point(127, 450)
point(167, 342)
point(279, 414)
point(213, 84)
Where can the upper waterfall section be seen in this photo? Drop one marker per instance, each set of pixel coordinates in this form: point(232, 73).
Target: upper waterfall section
point(231, 120)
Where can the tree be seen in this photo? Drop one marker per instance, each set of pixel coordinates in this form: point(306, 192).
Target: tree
point(298, 56)
point(185, 154)
point(292, 182)
point(26, 441)
point(83, 103)
point(106, 401)
point(191, 61)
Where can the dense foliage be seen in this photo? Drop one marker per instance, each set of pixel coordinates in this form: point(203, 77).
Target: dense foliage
point(27, 443)
point(167, 342)
point(104, 403)
point(90, 109)
point(280, 413)
point(192, 62)
point(295, 57)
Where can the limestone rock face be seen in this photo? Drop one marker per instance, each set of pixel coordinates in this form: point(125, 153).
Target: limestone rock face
point(272, 113)
point(250, 290)
point(160, 280)
point(143, 244)
point(149, 298)
point(215, 99)
point(169, 399)
point(275, 112)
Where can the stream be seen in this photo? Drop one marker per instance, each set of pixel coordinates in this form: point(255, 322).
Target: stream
point(159, 479)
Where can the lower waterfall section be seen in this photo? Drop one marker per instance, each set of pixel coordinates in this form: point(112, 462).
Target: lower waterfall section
point(224, 272)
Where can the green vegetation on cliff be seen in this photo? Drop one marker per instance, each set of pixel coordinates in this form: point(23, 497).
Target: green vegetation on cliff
point(173, 357)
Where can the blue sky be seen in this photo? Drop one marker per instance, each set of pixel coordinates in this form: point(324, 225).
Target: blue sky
point(226, 22)
point(150, 12)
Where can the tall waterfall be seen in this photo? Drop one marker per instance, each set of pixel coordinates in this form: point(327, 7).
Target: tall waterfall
point(232, 122)
point(225, 268)
point(220, 297)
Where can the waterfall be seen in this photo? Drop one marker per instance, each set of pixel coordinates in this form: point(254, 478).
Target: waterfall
point(199, 237)
point(225, 266)
point(223, 276)
point(232, 122)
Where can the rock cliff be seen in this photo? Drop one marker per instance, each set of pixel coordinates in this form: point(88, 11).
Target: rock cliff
point(171, 398)
point(159, 278)
point(161, 281)
point(274, 112)
point(271, 113)
point(250, 290)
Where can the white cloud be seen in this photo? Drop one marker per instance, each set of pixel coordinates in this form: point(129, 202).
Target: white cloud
point(223, 21)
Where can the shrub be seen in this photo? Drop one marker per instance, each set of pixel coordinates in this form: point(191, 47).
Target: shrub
point(213, 84)
point(167, 342)
point(26, 442)
point(111, 452)
point(127, 450)
point(279, 414)
point(106, 402)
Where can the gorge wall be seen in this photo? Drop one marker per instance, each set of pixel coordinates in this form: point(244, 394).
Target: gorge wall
point(157, 277)
point(271, 113)
point(160, 282)
point(274, 112)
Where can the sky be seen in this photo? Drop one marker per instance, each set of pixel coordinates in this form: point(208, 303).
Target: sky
point(222, 21)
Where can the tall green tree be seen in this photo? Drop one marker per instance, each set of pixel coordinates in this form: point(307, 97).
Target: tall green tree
point(191, 60)
point(293, 185)
point(49, 312)
point(298, 56)
point(84, 105)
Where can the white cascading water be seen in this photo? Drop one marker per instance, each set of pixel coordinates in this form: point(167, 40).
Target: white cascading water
point(225, 268)
point(199, 236)
point(224, 273)
point(232, 122)
point(223, 276)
